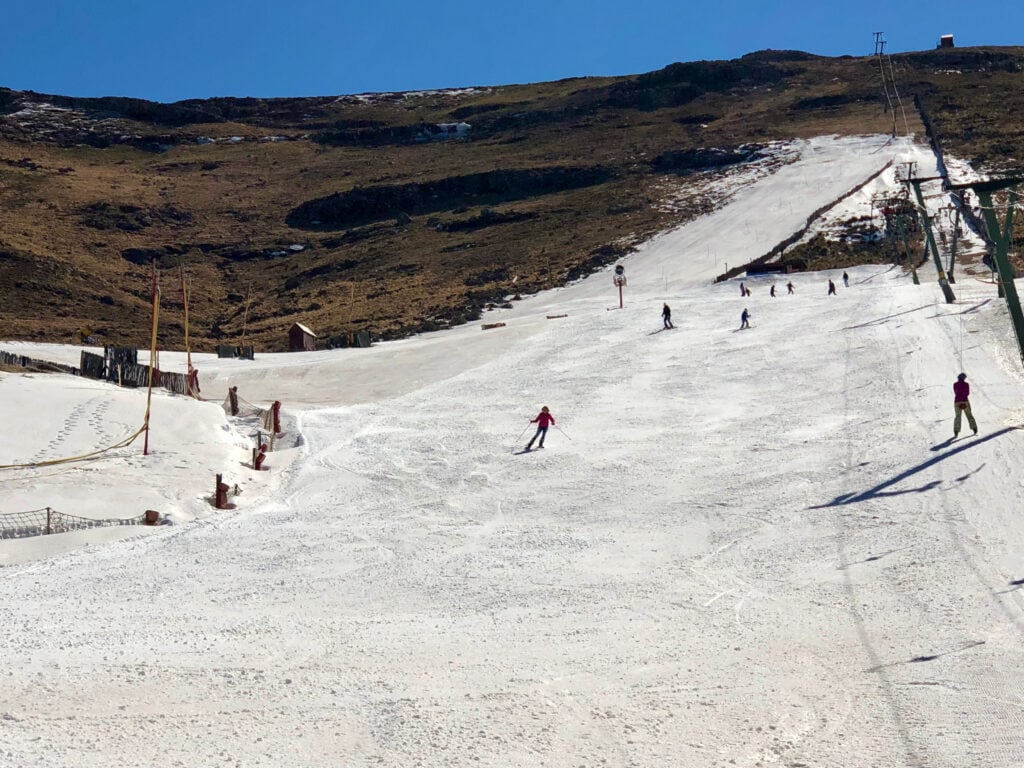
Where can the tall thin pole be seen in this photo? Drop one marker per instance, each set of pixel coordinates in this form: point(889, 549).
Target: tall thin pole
point(245, 315)
point(188, 346)
point(152, 355)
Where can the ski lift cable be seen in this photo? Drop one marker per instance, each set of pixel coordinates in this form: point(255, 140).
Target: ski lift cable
point(961, 340)
point(1001, 207)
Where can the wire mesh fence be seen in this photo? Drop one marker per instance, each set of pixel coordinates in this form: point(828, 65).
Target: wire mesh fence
point(44, 521)
point(263, 421)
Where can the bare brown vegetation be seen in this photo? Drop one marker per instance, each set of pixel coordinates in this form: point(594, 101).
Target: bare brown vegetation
point(400, 231)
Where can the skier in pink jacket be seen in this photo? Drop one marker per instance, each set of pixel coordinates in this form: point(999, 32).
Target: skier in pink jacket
point(543, 421)
point(961, 404)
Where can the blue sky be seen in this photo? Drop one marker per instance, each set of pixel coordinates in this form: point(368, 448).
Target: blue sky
point(191, 49)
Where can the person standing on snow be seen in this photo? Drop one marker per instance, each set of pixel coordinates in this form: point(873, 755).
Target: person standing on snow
point(831, 288)
point(962, 405)
point(846, 280)
point(789, 286)
point(772, 291)
point(543, 421)
point(744, 319)
point(666, 316)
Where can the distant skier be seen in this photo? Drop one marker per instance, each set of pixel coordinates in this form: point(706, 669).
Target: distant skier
point(846, 280)
point(543, 421)
point(743, 290)
point(772, 291)
point(666, 316)
point(831, 288)
point(789, 286)
point(744, 319)
point(747, 290)
point(962, 405)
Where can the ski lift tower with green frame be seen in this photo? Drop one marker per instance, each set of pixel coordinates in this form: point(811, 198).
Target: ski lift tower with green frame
point(1002, 235)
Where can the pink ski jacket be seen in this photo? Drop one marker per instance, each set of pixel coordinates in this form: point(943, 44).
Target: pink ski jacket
point(961, 391)
point(543, 419)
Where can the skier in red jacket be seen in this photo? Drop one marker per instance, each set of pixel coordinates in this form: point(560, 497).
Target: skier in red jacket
point(543, 421)
point(961, 404)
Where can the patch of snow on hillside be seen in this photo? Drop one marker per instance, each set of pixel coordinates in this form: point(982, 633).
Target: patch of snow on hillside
point(369, 98)
point(712, 188)
point(858, 216)
point(42, 108)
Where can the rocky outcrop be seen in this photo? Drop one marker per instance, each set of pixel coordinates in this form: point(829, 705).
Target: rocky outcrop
point(364, 205)
point(683, 82)
point(690, 160)
point(130, 218)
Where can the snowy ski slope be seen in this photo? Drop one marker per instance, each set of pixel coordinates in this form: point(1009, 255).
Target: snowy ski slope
point(741, 548)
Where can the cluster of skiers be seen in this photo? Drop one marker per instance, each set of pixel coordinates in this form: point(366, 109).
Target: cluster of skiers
point(961, 389)
point(745, 291)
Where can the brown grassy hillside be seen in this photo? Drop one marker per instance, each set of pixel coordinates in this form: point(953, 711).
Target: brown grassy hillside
point(401, 232)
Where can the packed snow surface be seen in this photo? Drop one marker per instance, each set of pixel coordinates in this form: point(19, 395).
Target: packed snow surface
point(737, 548)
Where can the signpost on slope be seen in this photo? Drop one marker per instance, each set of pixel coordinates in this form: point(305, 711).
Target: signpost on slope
point(620, 280)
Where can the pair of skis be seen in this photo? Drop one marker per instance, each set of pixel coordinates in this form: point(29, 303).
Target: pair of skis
point(527, 450)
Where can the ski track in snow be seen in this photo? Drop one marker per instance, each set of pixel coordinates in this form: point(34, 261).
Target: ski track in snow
point(735, 548)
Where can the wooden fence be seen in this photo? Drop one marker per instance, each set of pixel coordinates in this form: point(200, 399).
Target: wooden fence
point(130, 374)
point(243, 353)
point(28, 362)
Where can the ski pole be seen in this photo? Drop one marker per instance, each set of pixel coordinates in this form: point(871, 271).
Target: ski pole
point(519, 439)
point(562, 431)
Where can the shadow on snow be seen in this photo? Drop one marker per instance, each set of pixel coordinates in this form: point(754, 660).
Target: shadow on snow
point(879, 490)
point(880, 320)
